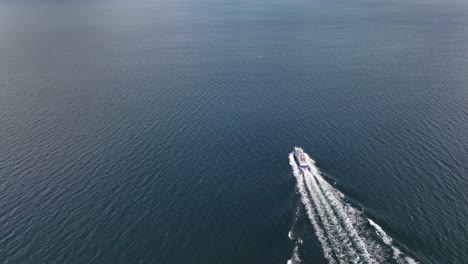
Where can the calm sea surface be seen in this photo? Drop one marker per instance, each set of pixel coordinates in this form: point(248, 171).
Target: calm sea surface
point(159, 131)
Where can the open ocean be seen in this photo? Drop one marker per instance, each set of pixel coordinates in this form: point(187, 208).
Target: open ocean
point(159, 131)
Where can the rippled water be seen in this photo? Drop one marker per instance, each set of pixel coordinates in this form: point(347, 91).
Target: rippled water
point(158, 131)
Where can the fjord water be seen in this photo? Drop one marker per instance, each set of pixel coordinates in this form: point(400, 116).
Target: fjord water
point(159, 131)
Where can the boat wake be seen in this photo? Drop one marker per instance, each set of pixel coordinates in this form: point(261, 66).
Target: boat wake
point(345, 234)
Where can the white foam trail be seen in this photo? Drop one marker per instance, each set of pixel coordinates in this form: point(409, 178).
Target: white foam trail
point(386, 239)
point(397, 255)
point(352, 219)
point(327, 250)
point(341, 211)
point(338, 238)
point(341, 229)
point(295, 259)
point(336, 234)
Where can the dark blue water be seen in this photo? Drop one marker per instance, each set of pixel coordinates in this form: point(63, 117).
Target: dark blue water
point(159, 131)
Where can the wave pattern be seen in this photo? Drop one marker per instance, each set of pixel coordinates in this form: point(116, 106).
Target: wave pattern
point(346, 236)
